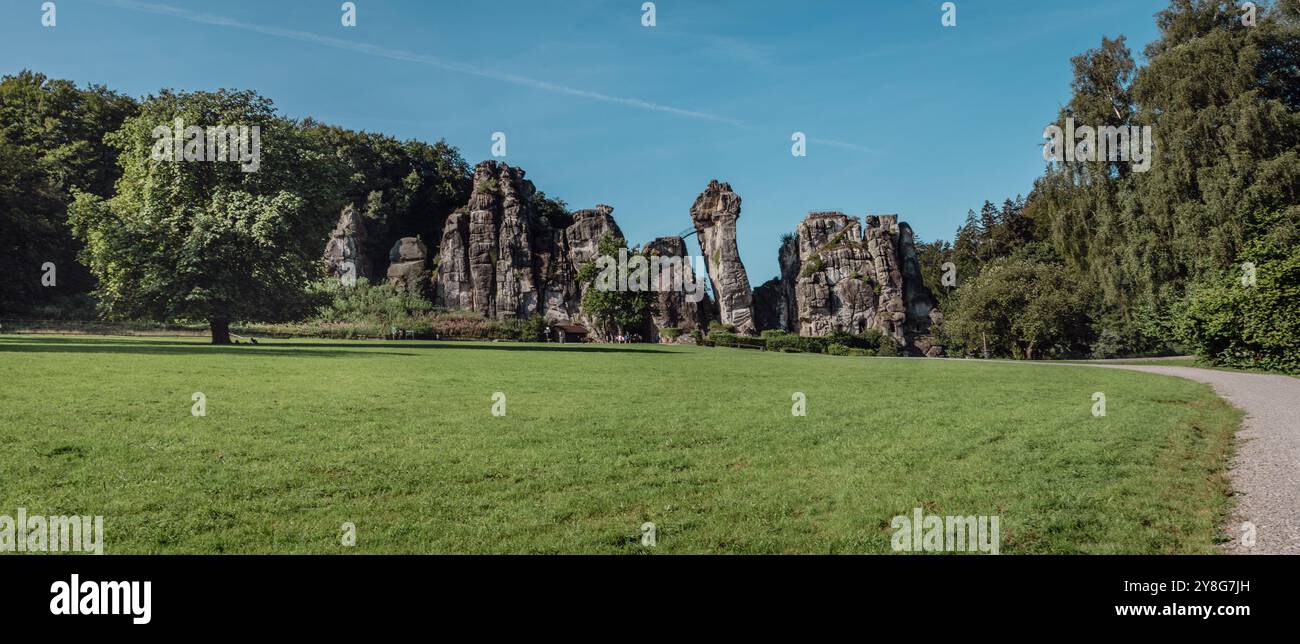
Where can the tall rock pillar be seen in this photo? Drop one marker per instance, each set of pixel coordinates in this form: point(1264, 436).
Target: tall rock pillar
point(715, 213)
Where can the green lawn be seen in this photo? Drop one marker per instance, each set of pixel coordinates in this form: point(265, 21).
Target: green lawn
point(398, 438)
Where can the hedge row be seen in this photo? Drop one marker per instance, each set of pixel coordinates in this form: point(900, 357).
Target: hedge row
point(869, 343)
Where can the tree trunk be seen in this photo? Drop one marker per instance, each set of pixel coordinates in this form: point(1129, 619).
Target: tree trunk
point(220, 330)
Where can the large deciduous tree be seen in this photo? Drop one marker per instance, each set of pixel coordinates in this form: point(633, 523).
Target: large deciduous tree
point(210, 240)
point(1022, 309)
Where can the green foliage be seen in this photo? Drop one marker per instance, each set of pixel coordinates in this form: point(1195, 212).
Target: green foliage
point(1019, 309)
point(1232, 324)
point(791, 343)
point(811, 267)
point(864, 343)
point(613, 311)
point(408, 188)
point(837, 349)
point(1225, 108)
point(716, 326)
point(51, 144)
point(203, 240)
point(550, 213)
point(363, 302)
point(670, 332)
point(1145, 333)
point(727, 339)
point(886, 346)
point(1224, 105)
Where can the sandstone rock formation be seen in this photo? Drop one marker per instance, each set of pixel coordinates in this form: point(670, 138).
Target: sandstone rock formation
point(408, 271)
point(345, 256)
point(774, 301)
point(714, 214)
point(674, 281)
point(852, 278)
point(500, 258)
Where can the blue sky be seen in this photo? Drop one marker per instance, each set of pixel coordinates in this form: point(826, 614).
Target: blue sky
point(903, 115)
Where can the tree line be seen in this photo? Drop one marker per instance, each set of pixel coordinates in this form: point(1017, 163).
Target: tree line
point(1199, 253)
point(132, 238)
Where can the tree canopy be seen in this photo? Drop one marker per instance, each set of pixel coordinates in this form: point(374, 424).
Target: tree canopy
point(51, 144)
point(209, 240)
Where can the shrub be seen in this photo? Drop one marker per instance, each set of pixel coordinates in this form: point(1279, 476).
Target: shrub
point(364, 302)
point(789, 342)
point(724, 339)
point(1229, 323)
point(718, 327)
point(529, 330)
point(887, 348)
point(811, 267)
point(837, 349)
point(698, 336)
point(670, 332)
point(869, 339)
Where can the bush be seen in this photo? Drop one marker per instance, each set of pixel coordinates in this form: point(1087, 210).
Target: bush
point(837, 349)
point(365, 303)
point(790, 343)
point(697, 336)
point(1110, 336)
point(77, 306)
point(1231, 324)
point(723, 339)
point(529, 330)
point(887, 347)
point(869, 339)
point(718, 327)
point(670, 332)
point(811, 267)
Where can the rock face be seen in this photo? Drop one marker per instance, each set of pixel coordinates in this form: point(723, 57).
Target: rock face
point(838, 274)
point(408, 271)
point(682, 303)
point(502, 259)
point(500, 256)
point(774, 301)
point(583, 236)
point(345, 252)
point(714, 214)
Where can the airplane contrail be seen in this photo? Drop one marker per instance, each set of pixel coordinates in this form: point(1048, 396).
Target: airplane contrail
point(434, 61)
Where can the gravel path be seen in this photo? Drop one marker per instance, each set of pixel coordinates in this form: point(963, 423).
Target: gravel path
point(1265, 474)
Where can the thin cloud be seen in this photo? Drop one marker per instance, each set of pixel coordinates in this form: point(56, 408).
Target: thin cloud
point(440, 63)
point(407, 56)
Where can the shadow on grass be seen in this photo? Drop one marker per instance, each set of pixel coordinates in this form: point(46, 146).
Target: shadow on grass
point(153, 347)
point(71, 344)
point(486, 345)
